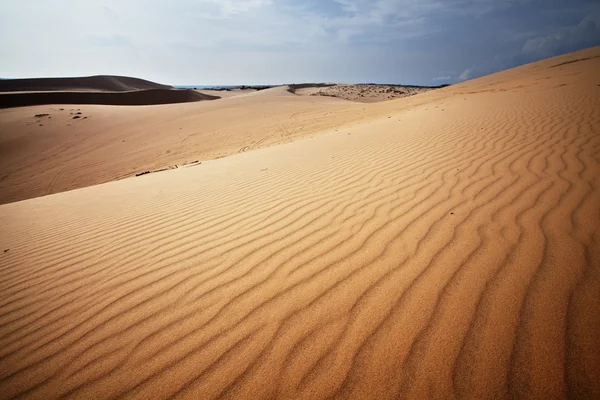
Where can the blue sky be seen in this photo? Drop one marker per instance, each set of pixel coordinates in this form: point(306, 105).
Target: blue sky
point(283, 41)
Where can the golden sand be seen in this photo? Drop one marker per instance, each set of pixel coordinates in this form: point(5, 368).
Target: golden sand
point(443, 245)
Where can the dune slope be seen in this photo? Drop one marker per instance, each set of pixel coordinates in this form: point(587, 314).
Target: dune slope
point(44, 150)
point(448, 246)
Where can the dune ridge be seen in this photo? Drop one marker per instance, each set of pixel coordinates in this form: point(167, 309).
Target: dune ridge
point(446, 245)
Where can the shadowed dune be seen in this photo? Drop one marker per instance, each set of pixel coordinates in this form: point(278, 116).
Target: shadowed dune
point(135, 98)
point(104, 89)
point(88, 83)
point(446, 245)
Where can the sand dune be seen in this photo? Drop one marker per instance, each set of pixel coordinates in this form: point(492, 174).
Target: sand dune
point(118, 142)
point(364, 93)
point(105, 90)
point(89, 83)
point(138, 97)
point(443, 245)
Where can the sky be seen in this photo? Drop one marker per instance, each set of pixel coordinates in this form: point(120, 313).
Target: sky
point(231, 42)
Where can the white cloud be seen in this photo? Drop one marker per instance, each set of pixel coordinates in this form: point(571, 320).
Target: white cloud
point(228, 8)
point(240, 6)
point(467, 74)
point(443, 78)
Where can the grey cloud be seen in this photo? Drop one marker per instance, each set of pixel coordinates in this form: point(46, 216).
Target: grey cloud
point(564, 39)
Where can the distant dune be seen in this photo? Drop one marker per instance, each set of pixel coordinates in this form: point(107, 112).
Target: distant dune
point(226, 93)
point(439, 246)
point(135, 98)
point(90, 83)
point(294, 88)
point(106, 90)
point(362, 93)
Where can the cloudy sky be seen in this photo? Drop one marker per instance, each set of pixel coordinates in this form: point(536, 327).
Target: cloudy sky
point(282, 41)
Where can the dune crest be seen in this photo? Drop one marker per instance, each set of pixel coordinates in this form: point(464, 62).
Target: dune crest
point(445, 245)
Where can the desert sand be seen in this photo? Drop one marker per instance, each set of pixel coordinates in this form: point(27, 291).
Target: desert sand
point(437, 246)
point(368, 93)
point(54, 153)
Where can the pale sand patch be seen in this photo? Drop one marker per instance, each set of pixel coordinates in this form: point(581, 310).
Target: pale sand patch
point(226, 93)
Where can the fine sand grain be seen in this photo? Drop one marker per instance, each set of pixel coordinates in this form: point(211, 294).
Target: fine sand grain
point(446, 245)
